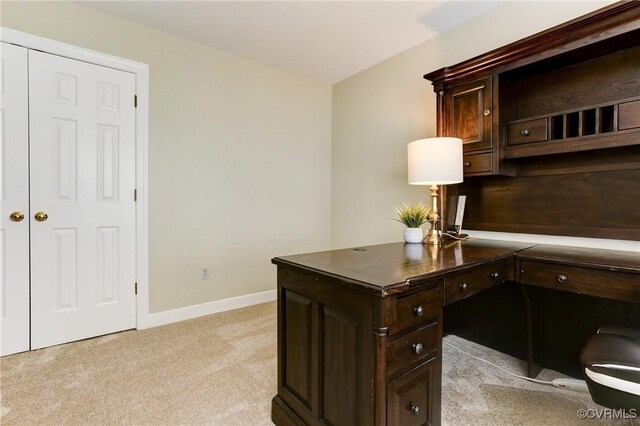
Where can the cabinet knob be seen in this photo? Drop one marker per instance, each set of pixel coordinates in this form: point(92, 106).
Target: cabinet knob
point(525, 132)
point(464, 286)
point(417, 348)
point(467, 163)
point(495, 275)
point(419, 310)
point(562, 278)
point(415, 410)
point(486, 112)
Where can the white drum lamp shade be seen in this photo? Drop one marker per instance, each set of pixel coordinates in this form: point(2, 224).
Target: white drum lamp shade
point(435, 161)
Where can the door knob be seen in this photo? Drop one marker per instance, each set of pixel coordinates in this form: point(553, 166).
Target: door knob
point(41, 216)
point(17, 216)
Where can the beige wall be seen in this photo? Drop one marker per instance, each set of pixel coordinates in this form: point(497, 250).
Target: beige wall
point(247, 162)
point(378, 111)
point(239, 155)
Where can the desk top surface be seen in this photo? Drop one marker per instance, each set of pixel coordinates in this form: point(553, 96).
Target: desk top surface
point(387, 266)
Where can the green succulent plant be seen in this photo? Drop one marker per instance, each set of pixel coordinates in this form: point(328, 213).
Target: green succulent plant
point(412, 215)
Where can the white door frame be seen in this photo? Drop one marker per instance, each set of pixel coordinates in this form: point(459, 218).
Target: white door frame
point(141, 72)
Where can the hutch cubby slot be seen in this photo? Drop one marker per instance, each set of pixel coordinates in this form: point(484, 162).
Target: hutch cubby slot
point(589, 122)
point(606, 119)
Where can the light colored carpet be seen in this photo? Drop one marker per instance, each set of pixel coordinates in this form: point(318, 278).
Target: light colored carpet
point(474, 393)
point(221, 370)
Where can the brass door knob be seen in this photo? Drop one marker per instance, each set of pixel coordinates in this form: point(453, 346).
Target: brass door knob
point(486, 112)
point(17, 216)
point(41, 216)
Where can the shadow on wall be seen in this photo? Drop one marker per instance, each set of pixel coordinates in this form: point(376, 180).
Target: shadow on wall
point(449, 14)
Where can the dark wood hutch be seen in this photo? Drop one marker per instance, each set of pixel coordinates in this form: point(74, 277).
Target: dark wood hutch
point(558, 113)
point(551, 126)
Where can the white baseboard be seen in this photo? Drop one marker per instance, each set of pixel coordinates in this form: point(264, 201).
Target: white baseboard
point(195, 311)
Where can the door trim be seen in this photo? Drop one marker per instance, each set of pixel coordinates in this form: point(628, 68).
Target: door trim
point(141, 72)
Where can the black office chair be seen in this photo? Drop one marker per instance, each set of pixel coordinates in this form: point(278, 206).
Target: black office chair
point(611, 362)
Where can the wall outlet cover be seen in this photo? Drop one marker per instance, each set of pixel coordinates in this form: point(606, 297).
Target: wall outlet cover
point(204, 273)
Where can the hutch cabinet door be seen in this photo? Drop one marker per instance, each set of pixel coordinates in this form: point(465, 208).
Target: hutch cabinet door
point(470, 111)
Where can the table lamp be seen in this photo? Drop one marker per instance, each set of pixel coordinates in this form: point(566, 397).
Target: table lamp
point(435, 161)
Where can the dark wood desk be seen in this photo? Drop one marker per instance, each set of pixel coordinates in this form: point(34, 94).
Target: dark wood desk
point(360, 330)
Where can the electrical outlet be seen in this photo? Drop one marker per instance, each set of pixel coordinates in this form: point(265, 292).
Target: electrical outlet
point(204, 274)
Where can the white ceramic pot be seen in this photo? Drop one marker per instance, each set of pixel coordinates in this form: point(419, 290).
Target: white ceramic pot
point(413, 235)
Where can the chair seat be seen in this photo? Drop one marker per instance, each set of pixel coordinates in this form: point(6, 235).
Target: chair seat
point(611, 362)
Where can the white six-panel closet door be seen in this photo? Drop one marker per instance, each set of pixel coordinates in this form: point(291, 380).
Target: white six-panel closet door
point(82, 168)
point(14, 199)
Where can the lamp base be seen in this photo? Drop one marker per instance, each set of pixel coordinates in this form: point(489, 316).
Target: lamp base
point(433, 237)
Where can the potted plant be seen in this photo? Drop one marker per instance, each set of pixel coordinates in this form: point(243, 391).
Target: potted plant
point(413, 216)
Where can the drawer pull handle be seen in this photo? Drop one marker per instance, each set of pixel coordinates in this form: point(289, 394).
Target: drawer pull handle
point(562, 278)
point(418, 311)
point(415, 410)
point(417, 348)
point(486, 112)
point(525, 132)
point(464, 286)
point(495, 275)
point(467, 163)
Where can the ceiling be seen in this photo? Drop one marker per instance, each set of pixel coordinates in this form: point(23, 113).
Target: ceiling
point(325, 40)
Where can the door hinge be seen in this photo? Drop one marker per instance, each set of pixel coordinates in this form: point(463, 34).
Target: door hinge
point(135, 195)
point(135, 288)
point(135, 101)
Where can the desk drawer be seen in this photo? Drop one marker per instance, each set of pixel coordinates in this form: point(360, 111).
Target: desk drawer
point(477, 163)
point(417, 309)
point(461, 285)
point(528, 131)
point(629, 115)
point(412, 348)
point(593, 282)
point(412, 396)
